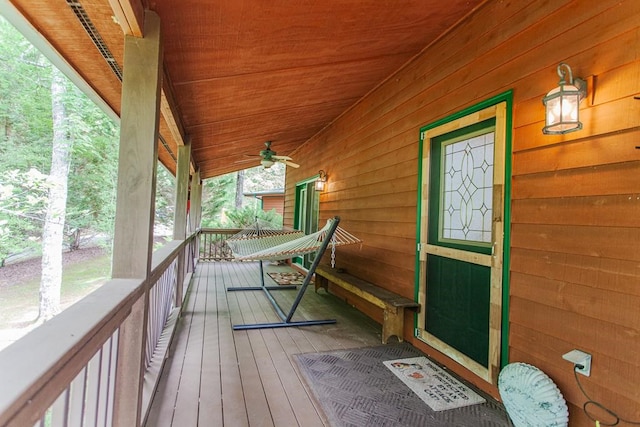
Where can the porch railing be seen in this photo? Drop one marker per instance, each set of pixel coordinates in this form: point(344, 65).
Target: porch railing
point(213, 246)
point(66, 372)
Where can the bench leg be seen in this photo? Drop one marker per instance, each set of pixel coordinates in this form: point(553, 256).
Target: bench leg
point(393, 323)
point(321, 282)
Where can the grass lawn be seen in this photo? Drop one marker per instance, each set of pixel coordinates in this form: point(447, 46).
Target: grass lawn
point(19, 301)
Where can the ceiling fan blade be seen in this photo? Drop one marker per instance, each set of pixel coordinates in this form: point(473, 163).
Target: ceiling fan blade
point(281, 157)
point(288, 163)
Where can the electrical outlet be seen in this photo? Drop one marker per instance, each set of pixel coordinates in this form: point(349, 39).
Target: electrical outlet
point(580, 360)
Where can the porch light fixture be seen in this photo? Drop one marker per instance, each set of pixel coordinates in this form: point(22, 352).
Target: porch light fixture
point(562, 112)
point(321, 180)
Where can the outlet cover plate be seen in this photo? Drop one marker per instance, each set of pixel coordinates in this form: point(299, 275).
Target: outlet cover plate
point(578, 357)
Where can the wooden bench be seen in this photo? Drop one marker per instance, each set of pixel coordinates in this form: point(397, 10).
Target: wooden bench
point(393, 305)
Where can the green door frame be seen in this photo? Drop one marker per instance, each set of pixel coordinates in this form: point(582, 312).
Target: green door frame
point(301, 186)
point(507, 98)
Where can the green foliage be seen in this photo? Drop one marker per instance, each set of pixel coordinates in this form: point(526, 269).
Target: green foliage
point(25, 140)
point(26, 134)
point(246, 216)
point(25, 103)
point(165, 197)
point(217, 196)
point(22, 199)
point(93, 174)
point(259, 178)
point(218, 207)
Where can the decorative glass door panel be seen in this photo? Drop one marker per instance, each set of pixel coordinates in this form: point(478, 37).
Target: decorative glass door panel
point(467, 187)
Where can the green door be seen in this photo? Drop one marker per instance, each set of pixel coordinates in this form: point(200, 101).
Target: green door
point(461, 239)
point(306, 215)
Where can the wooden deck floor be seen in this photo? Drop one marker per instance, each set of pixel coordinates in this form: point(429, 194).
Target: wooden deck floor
point(216, 376)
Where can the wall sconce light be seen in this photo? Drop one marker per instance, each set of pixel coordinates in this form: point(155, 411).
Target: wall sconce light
point(321, 180)
point(562, 112)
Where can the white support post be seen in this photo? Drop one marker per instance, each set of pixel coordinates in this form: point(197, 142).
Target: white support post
point(180, 215)
point(196, 201)
point(135, 207)
point(182, 192)
point(197, 212)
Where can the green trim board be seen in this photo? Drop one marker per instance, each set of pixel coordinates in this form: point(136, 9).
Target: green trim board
point(508, 172)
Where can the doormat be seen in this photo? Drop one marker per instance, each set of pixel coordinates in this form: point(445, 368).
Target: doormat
point(432, 384)
point(354, 388)
point(287, 278)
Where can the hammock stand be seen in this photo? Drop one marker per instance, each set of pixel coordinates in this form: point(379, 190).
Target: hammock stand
point(331, 227)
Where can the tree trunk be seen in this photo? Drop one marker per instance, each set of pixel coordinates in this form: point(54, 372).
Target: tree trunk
point(239, 189)
point(52, 234)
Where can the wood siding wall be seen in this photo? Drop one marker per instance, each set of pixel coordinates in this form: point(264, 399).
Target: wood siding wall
point(273, 202)
point(575, 229)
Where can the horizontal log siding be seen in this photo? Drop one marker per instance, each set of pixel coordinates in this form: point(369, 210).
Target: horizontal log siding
point(575, 265)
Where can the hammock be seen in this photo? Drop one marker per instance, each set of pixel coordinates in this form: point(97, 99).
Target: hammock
point(259, 239)
point(316, 242)
point(273, 246)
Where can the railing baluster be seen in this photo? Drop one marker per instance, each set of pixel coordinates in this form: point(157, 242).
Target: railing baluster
point(213, 245)
point(77, 399)
point(160, 307)
point(93, 388)
point(110, 389)
point(60, 410)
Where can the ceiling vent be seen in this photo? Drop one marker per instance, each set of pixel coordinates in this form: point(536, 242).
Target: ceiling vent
point(88, 26)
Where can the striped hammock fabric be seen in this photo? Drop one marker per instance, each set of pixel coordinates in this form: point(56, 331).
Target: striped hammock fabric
point(273, 246)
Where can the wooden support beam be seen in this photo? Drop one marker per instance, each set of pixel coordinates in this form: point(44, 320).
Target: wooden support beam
point(138, 154)
point(135, 206)
point(130, 16)
point(171, 112)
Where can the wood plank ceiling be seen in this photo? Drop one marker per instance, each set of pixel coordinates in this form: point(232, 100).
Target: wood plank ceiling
point(240, 72)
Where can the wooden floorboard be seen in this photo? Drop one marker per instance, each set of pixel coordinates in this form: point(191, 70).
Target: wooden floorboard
point(187, 401)
point(233, 398)
point(219, 376)
point(210, 410)
point(162, 409)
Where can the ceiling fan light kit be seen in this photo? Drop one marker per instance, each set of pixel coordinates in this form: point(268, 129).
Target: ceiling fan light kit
point(266, 163)
point(270, 157)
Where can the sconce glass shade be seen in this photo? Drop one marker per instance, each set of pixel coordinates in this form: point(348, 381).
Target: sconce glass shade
point(562, 104)
point(267, 163)
point(321, 181)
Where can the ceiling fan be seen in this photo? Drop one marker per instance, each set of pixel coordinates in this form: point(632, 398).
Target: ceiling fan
point(269, 157)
